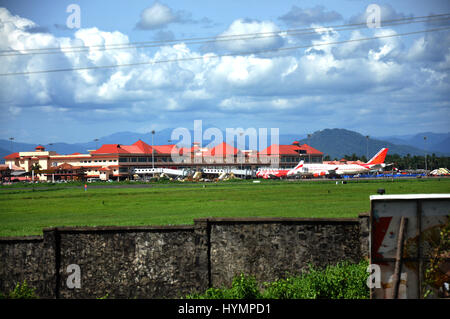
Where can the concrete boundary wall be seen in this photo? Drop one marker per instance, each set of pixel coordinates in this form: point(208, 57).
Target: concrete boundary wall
point(172, 261)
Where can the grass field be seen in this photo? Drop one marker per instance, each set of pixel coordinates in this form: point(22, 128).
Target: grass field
point(27, 210)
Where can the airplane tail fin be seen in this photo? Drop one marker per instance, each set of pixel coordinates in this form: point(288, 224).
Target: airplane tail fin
point(294, 170)
point(299, 165)
point(379, 157)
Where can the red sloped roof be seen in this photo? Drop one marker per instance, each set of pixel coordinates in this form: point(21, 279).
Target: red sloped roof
point(139, 147)
point(282, 150)
point(13, 167)
point(223, 149)
point(65, 166)
point(11, 156)
point(110, 149)
point(132, 149)
point(289, 150)
point(144, 147)
point(164, 149)
point(310, 149)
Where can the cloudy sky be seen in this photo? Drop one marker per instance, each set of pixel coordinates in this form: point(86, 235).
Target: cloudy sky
point(393, 85)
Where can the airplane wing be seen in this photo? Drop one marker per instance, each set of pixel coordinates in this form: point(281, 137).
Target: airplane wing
point(380, 166)
point(333, 171)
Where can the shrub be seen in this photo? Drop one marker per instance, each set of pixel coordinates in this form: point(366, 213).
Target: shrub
point(242, 287)
point(342, 281)
point(21, 291)
point(245, 287)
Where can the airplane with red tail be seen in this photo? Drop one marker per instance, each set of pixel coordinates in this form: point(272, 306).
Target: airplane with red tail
point(267, 173)
point(317, 170)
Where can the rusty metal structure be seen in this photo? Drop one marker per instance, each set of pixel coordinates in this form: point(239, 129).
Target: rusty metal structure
point(406, 231)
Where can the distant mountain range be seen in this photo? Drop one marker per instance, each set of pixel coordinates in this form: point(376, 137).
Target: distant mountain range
point(333, 142)
point(434, 142)
point(340, 142)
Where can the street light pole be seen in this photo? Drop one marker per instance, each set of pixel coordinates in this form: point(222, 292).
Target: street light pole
point(11, 139)
point(309, 144)
point(424, 146)
point(243, 146)
point(153, 152)
point(367, 147)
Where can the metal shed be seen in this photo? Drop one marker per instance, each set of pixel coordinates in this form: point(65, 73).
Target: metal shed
point(405, 233)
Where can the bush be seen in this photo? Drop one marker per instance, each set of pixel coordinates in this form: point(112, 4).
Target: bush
point(245, 287)
point(343, 281)
point(21, 291)
point(242, 287)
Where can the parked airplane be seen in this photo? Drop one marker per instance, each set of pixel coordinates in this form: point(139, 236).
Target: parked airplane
point(316, 170)
point(278, 173)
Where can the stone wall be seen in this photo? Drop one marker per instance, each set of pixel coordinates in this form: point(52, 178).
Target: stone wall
point(171, 261)
point(31, 259)
point(271, 248)
point(130, 262)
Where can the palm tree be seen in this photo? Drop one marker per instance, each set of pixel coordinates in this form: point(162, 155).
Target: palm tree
point(36, 167)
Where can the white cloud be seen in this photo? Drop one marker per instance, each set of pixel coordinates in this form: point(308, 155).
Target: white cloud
point(156, 16)
point(51, 109)
point(387, 13)
point(318, 14)
point(159, 16)
point(264, 36)
point(326, 83)
point(14, 110)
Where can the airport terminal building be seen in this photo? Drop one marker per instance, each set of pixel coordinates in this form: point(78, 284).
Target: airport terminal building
point(120, 162)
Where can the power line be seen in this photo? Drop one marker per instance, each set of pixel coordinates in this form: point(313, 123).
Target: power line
point(204, 40)
point(223, 55)
point(249, 36)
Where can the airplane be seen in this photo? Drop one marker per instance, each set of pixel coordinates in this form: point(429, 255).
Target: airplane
point(316, 170)
point(278, 173)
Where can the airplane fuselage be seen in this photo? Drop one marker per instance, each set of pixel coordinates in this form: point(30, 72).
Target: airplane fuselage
point(330, 169)
point(302, 169)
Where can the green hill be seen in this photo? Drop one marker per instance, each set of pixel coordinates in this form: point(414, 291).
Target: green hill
point(3, 153)
point(339, 142)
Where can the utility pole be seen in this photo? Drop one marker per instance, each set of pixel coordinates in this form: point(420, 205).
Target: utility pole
point(424, 146)
point(96, 145)
point(367, 147)
point(153, 152)
point(243, 147)
point(11, 139)
point(309, 144)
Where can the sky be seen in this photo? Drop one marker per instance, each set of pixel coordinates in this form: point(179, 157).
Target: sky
point(392, 85)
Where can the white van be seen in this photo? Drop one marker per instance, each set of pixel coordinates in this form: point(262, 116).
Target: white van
point(92, 180)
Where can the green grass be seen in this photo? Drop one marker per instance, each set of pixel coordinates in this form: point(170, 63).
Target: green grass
point(27, 210)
